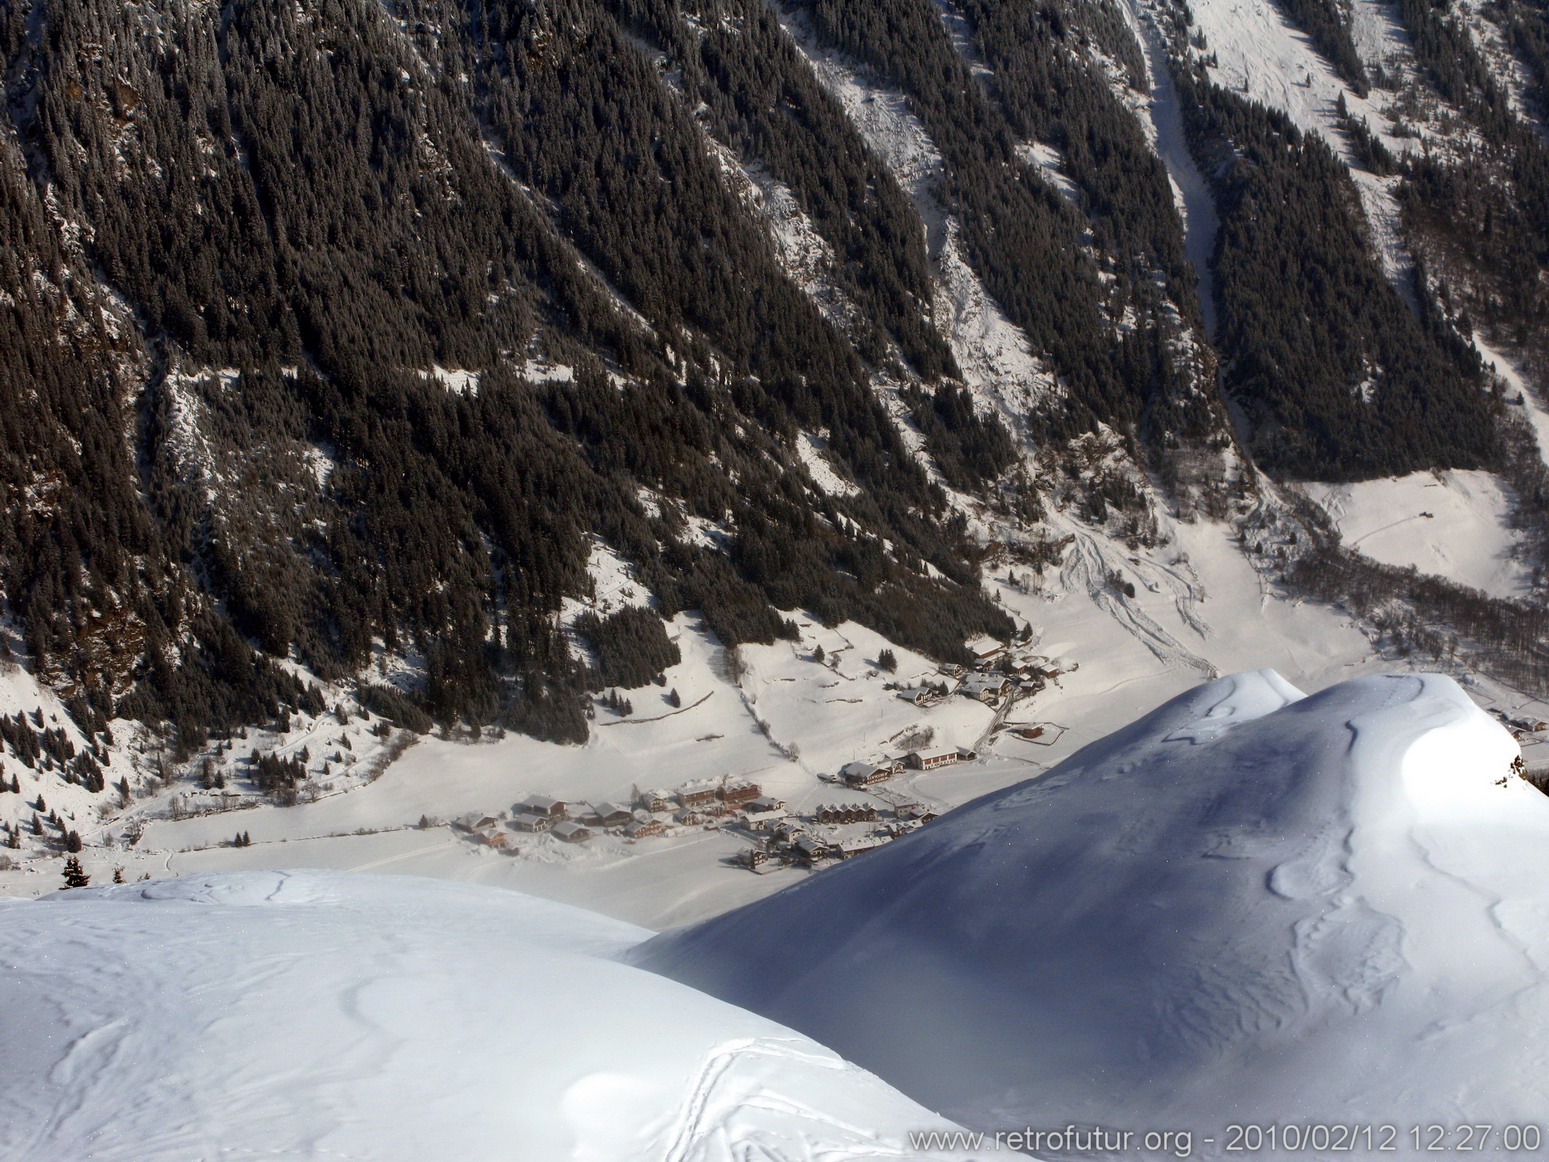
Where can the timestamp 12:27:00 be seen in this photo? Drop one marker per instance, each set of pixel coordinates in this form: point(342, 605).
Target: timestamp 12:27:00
point(1334, 1138)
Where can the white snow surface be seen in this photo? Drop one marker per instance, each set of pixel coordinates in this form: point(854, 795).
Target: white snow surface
point(322, 1015)
point(1531, 398)
point(1455, 524)
point(1249, 906)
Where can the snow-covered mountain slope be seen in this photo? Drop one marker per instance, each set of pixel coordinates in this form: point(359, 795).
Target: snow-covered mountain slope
point(1248, 907)
point(315, 1015)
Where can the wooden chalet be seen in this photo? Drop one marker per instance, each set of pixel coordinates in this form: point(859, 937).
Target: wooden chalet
point(739, 793)
point(700, 793)
point(527, 821)
point(765, 803)
point(985, 687)
point(859, 845)
point(609, 815)
point(929, 760)
point(572, 832)
point(846, 813)
point(864, 774)
point(763, 820)
point(657, 800)
point(810, 848)
point(645, 828)
point(986, 649)
point(542, 805)
point(788, 832)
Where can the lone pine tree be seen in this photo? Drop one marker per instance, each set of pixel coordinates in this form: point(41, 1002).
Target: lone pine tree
point(75, 877)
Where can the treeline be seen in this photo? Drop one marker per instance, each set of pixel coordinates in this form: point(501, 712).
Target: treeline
point(1483, 214)
point(1528, 27)
point(1327, 25)
point(1014, 222)
point(50, 748)
point(1339, 377)
point(448, 185)
point(970, 449)
point(1422, 613)
point(752, 91)
point(1370, 153)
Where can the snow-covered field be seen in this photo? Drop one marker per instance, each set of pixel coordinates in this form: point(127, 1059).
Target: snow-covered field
point(1454, 524)
point(317, 1015)
point(1199, 609)
point(1248, 907)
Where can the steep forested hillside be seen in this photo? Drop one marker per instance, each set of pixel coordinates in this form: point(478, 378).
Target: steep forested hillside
point(346, 329)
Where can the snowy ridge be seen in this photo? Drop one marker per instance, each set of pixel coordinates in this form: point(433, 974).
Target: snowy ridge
point(309, 1014)
point(1248, 906)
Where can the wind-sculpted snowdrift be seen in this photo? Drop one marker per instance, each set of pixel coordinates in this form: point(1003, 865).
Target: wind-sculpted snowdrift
point(1250, 906)
point(332, 1016)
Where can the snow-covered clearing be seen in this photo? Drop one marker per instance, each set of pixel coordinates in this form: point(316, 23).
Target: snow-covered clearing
point(812, 450)
point(1249, 906)
point(1261, 55)
point(457, 380)
point(1454, 524)
point(317, 1015)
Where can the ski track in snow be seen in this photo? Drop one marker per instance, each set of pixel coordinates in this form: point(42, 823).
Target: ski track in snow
point(1086, 570)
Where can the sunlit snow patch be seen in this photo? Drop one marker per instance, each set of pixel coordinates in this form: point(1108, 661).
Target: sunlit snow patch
point(1247, 907)
point(1454, 524)
point(323, 1015)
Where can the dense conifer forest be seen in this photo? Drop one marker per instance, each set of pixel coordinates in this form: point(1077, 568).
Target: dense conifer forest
point(342, 329)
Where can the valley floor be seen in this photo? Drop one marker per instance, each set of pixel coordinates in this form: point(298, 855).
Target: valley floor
point(1199, 609)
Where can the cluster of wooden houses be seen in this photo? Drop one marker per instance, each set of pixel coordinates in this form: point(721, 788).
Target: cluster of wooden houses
point(793, 842)
point(846, 813)
point(692, 803)
point(866, 773)
point(821, 837)
point(1010, 676)
point(1520, 727)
